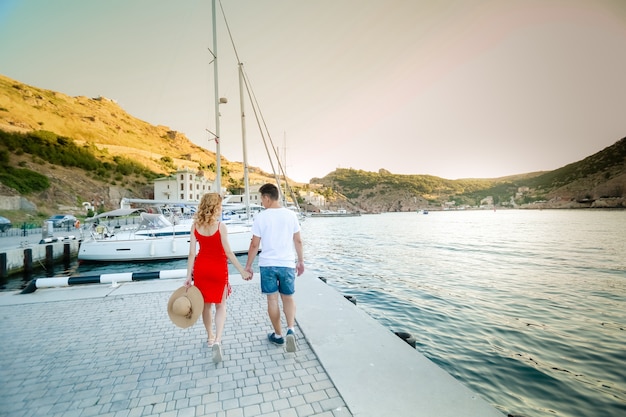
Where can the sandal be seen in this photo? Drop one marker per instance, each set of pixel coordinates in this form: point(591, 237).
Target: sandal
point(210, 341)
point(217, 352)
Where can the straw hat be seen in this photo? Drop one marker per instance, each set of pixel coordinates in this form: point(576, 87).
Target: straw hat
point(185, 306)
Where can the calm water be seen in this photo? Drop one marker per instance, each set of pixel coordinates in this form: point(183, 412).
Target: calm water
point(526, 308)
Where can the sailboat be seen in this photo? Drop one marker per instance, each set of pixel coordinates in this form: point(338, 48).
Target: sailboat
point(153, 236)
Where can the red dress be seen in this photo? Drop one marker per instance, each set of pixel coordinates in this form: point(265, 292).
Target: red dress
point(210, 268)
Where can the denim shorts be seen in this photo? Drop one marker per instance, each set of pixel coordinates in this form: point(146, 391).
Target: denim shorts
point(278, 278)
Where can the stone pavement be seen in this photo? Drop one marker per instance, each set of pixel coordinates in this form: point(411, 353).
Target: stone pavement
point(119, 355)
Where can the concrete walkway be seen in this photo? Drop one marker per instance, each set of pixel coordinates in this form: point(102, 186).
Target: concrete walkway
point(94, 350)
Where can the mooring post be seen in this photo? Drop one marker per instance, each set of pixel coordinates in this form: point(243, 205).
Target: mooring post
point(67, 252)
point(49, 257)
point(4, 273)
point(407, 337)
point(350, 298)
point(28, 261)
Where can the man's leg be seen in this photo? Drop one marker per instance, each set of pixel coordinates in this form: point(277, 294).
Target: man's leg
point(289, 308)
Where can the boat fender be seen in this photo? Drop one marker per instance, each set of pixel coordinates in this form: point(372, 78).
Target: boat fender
point(152, 248)
point(351, 298)
point(173, 246)
point(407, 338)
point(48, 240)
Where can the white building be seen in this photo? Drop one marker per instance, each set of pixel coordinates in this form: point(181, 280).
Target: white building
point(183, 186)
point(486, 202)
point(315, 199)
point(189, 186)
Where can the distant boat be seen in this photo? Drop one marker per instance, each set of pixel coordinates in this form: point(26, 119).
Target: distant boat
point(338, 213)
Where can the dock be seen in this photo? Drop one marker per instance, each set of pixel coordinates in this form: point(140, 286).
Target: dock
point(24, 254)
point(111, 350)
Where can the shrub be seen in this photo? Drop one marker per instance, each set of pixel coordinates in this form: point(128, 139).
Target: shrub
point(24, 180)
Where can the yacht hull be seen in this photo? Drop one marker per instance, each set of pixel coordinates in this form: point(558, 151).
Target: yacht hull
point(153, 248)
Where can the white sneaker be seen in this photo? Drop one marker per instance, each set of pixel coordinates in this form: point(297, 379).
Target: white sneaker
point(290, 340)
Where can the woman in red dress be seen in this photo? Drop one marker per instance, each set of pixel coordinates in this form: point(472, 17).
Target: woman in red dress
point(209, 267)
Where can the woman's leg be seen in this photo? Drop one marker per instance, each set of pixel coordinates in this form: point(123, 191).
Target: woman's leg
point(207, 319)
point(220, 316)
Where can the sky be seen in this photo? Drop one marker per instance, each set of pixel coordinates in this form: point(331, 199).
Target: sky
point(455, 89)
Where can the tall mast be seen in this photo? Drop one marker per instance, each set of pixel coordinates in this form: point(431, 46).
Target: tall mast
point(285, 166)
point(218, 156)
point(246, 184)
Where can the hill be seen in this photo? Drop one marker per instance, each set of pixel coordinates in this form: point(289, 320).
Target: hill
point(601, 176)
point(58, 151)
point(96, 122)
point(37, 126)
point(598, 181)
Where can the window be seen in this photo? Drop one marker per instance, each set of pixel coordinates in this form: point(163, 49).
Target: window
point(182, 187)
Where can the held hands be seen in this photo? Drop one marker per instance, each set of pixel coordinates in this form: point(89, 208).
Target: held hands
point(246, 275)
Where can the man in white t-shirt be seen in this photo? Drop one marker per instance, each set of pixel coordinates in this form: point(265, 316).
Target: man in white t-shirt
point(279, 229)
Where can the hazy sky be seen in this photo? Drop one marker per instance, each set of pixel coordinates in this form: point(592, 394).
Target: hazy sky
point(456, 89)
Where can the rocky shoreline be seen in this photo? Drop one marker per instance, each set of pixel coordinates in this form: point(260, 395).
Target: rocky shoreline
point(601, 203)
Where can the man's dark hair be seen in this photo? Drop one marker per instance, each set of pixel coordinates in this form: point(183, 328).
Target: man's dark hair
point(269, 190)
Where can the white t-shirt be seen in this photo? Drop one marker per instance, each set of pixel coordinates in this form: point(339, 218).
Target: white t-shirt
point(276, 227)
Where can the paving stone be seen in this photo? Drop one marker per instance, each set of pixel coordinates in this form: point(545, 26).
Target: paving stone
point(120, 356)
point(231, 403)
point(304, 410)
point(290, 412)
point(187, 412)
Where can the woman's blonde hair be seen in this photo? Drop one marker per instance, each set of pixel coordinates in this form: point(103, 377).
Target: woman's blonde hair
point(209, 209)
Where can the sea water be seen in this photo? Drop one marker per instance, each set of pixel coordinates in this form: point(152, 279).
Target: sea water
point(527, 308)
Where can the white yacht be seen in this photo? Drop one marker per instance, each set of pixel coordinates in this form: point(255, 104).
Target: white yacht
point(154, 237)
